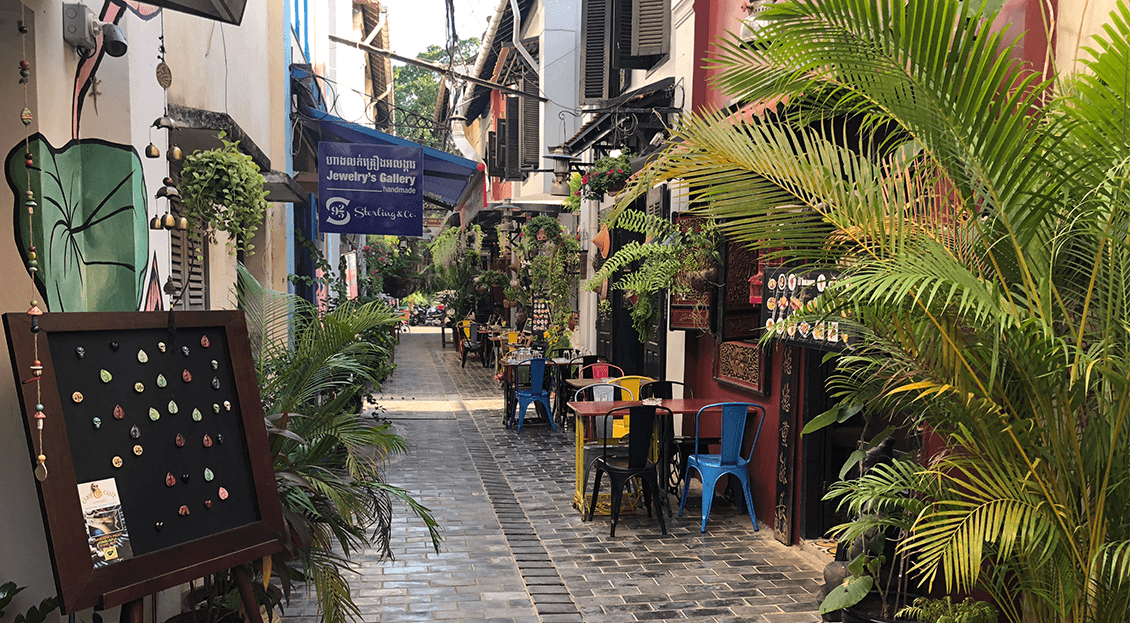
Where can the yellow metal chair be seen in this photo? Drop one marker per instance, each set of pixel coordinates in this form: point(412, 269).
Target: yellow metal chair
point(631, 383)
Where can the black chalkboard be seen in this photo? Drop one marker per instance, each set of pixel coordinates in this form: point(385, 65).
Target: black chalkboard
point(170, 421)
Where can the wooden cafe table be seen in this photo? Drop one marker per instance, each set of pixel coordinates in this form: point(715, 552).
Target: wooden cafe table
point(664, 428)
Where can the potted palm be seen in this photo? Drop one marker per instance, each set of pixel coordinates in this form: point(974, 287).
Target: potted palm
point(980, 230)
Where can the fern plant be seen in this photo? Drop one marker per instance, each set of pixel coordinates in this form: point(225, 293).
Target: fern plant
point(661, 262)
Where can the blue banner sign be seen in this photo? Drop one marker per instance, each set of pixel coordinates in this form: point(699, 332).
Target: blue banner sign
point(370, 189)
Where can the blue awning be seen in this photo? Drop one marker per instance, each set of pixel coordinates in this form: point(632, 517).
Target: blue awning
point(449, 181)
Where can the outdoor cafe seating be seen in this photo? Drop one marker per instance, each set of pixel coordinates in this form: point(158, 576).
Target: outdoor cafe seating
point(729, 461)
point(637, 465)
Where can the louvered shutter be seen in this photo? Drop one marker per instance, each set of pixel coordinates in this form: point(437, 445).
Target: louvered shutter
point(495, 168)
point(651, 27)
point(513, 139)
point(530, 128)
point(184, 269)
point(500, 149)
point(596, 22)
point(622, 19)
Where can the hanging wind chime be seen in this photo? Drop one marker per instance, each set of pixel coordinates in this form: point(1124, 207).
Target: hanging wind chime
point(32, 261)
point(168, 189)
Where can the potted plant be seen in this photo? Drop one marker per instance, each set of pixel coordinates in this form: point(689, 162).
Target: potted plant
point(884, 501)
point(944, 610)
point(663, 261)
point(493, 278)
point(607, 174)
point(222, 190)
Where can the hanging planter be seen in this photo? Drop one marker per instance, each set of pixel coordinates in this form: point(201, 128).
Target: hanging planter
point(607, 175)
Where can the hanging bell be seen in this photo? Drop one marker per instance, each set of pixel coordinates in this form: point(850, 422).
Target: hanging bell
point(169, 221)
point(168, 191)
point(182, 224)
point(151, 151)
point(165, 123)
point(175, 153)
point(155, 223)
point(168, 181)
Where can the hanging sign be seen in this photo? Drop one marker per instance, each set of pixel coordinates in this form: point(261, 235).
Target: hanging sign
point(370, 189)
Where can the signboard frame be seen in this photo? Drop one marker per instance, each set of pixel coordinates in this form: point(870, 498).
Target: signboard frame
point(200, 544)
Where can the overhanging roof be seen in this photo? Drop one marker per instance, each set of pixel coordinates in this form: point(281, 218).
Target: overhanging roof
point(227, 11)
point(652, 97)
point(198, 130)
point(449, 180)
point(480, 95)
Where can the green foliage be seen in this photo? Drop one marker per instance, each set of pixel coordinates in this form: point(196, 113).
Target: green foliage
point(222, 190)
point(659, 263)
point(944, 610)
point(978, 218)
point(884, 503)
point(90, 232)
point(605, 174)
point(572, 203)
point(417, 89)
point(313, 368)
point(493, 278)
point(549, 258)
point(34, 614)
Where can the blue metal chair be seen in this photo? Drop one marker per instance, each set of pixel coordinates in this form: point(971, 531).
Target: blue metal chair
point(711, 467)
point(537, 392)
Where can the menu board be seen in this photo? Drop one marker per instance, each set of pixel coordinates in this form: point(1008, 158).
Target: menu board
point(540, 316)
point(786, 292)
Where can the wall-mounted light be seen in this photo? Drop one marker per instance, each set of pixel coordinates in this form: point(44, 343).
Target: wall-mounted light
point(562, 162)
point(81, 30)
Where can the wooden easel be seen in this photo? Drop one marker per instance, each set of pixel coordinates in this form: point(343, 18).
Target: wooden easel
point(134, 611)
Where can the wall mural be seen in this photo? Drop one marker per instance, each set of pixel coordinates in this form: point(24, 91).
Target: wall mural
point(92, 238)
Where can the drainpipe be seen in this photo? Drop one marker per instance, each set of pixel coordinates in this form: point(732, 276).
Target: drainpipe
point(459, 120)
point(516, 37)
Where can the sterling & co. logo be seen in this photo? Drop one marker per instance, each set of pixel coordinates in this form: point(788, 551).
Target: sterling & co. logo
point(336, 207)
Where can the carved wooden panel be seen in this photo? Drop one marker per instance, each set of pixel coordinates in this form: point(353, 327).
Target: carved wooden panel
point(742, 364)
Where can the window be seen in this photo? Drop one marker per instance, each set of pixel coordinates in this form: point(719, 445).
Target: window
point(618, 35)
point(185, 269)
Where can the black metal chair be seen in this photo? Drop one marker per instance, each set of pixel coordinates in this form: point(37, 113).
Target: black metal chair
point(473, 343)
point(637, 465)
point(674, 447)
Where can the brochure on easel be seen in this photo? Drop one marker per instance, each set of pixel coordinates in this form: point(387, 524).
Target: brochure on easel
point(105, 522)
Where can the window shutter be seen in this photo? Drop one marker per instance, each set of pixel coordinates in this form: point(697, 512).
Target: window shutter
point(186, 271)
point(596, 22)
point(513, 139)
point(530, 129)
point(622, 20)
point(651, 28)
point(495, 168)
point(500, 148)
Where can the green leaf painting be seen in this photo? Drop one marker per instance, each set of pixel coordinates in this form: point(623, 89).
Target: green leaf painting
point(90, 230)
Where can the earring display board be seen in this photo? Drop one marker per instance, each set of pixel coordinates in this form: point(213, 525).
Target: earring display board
point(159, 470)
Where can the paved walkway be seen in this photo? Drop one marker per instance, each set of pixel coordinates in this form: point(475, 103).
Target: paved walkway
point(514, 549)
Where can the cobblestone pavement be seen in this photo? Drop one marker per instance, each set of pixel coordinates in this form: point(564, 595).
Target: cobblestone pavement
point(514, 548)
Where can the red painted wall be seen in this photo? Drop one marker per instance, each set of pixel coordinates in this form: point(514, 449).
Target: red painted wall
point(713, 19)
point(699, 376)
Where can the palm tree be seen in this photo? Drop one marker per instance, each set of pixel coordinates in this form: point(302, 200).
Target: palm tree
point(979, 215)
point(313, 368)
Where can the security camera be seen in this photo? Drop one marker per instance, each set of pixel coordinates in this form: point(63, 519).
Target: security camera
point(81, 30)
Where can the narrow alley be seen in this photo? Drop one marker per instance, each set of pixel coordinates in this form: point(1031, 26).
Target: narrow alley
point(514, 548)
